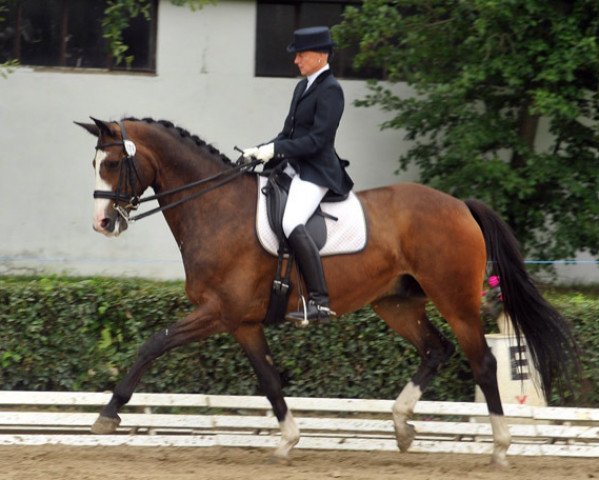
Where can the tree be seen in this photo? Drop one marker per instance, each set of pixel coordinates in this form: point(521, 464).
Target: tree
point(5, 67)
point(486, 75)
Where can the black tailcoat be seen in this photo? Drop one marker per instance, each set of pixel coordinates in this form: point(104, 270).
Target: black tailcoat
point(308, 136)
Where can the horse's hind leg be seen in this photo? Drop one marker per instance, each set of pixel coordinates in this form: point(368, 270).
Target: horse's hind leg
point(408, 318)
point(195, 326)
point(484, 370)
point(463, 316)
point(252, 340)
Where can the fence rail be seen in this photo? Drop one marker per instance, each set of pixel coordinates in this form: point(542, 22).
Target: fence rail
point(194, 420)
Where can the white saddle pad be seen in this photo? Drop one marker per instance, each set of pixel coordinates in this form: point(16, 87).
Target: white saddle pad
point(346, 235)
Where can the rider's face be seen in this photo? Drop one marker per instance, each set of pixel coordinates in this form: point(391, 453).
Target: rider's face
point(310, 62)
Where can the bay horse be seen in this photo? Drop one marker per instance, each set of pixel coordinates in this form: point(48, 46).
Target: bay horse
point(423, 245)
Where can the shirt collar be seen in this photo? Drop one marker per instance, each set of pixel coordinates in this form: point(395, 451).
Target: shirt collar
point(315, 75)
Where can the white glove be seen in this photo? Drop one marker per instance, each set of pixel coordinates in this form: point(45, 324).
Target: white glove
point(265, 152)
point(250, 152)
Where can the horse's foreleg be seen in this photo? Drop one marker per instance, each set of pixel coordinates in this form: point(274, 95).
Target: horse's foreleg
point(252, 340)
point(407, 317)
point(195, 326)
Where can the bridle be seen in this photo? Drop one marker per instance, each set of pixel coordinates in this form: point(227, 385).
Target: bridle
point(129, 179)
point(125, 197)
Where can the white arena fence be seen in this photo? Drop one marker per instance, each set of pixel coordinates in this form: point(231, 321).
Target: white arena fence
point(195, 420)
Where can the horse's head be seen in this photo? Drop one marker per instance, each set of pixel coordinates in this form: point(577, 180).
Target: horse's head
point(120, 173)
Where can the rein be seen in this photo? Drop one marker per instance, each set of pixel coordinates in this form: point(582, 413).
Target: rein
point(130, 179)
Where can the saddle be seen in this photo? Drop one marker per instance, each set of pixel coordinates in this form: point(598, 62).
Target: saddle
point(276, 192)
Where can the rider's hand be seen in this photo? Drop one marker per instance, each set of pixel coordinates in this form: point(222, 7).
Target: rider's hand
point(250, 152)
point(265, 152)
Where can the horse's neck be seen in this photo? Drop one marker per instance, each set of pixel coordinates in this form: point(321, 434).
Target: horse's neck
point(209, 228)
point(191, 217)
point(175, 170)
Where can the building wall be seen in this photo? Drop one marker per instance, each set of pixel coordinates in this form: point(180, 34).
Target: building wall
point(205, 83)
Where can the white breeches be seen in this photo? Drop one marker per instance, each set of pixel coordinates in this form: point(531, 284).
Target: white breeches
point(303, 200)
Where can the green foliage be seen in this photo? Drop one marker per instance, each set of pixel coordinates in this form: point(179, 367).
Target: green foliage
point(485, 75)
point(118, 15)
point(193, 4)
point(581, 308)
point(7, 67)
point(82, 334)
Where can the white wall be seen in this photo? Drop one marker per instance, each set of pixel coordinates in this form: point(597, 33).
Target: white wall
point(205, 83)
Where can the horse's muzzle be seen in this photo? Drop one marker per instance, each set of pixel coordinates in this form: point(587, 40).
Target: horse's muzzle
point(110, 225)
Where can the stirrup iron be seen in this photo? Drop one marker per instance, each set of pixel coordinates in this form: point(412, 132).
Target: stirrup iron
point(323, 313)
point(305, 322)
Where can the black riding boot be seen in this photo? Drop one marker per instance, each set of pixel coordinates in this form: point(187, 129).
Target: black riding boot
point(308, 259)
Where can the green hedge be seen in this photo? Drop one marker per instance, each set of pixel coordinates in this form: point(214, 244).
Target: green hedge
point(81, 334)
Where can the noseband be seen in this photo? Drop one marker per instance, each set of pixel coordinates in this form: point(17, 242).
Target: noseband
point(125, 197)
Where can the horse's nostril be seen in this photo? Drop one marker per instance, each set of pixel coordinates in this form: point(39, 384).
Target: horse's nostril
point(105, 223)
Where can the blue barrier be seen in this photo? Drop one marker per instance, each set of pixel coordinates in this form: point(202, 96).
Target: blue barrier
point(562, 262)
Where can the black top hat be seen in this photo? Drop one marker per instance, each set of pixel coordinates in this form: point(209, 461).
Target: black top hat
point(311, 38)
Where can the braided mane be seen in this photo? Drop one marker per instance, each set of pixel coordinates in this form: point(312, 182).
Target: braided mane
point(185, 135)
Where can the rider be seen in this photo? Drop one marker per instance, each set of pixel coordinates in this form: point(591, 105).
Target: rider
point(307, 144)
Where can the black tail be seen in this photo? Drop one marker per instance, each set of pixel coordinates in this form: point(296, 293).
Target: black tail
point(548, 336)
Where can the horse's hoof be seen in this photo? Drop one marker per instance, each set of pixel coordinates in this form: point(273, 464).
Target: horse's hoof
point(499, 462)
point(105, 425)
point(405, 437)
point(279, 459)
point(281, 454)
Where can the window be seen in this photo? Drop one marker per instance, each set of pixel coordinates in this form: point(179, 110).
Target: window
point(68, 33)
point(276, 21)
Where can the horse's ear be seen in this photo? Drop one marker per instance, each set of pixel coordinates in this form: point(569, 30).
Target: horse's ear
point(90, 127)
point(103, 126)
point(97, 128)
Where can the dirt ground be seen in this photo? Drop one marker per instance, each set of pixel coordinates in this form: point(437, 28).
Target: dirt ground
point(148, 463)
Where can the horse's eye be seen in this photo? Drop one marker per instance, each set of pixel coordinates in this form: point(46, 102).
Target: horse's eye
point(111, 164)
